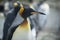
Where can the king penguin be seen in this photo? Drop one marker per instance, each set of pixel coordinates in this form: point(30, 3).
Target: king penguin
point(23, 30)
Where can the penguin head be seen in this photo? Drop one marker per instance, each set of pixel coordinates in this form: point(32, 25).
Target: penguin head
point(26, 11)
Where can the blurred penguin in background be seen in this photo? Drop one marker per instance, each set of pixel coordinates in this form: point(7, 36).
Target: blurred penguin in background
point(8, 6)
point(38, 20)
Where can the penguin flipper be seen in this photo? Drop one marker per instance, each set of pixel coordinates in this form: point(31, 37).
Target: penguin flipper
point(10, 33)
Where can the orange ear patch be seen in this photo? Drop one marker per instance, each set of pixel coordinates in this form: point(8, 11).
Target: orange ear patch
point(21, 9)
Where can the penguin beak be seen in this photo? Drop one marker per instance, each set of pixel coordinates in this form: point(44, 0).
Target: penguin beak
point(37, 13)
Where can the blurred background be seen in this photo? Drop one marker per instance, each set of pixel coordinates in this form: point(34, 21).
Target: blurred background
point(53, 22)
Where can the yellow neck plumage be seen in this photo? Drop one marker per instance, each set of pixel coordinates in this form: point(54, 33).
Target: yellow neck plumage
point(25, 25)
point(22, 32)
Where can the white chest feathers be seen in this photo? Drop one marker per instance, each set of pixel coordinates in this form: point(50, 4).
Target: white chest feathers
point(23, 32)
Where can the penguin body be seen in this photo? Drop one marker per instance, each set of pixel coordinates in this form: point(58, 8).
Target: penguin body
point(23, 31)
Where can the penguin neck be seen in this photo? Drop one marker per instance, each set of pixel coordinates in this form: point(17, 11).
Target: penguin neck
point(25, 24)
point(25, 21)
